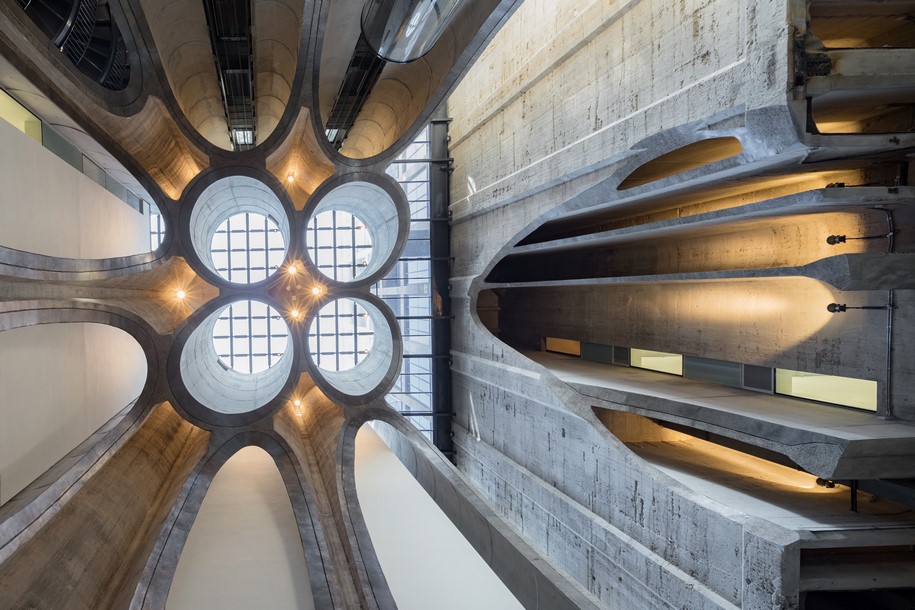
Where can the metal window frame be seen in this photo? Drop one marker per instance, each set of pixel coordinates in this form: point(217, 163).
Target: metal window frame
point(238, 358)
point(238, 268)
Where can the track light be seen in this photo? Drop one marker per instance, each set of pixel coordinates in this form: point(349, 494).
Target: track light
point(832, 240)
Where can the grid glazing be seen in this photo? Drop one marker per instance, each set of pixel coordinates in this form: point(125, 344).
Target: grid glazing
point(339, 244)
point(341, 335)
point(250, 337)
point(247, 248)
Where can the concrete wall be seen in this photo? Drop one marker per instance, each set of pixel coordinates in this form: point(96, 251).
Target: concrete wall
point(562, 104)
point(567, 86)
point(90, 551)
point(243, 550)
point(48, 207)
point(61, 382)
point(426, 560)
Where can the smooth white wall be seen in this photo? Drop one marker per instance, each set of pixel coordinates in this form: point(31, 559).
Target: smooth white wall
point(59, 383)
point(244, 549)
point(428, 563)
point(48, 207)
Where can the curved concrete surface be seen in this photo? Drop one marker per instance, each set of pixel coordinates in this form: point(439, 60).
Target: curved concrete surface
point(243, 550)
point(221, 389)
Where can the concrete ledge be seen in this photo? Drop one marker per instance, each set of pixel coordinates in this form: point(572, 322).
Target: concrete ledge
point(830, 442)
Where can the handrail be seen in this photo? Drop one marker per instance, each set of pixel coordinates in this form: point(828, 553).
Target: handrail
point(77, 42)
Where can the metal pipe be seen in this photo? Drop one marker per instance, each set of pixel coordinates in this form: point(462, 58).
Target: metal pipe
point(888, 403)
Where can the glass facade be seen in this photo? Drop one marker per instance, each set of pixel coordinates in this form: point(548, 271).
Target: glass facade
point(156, 229)
point(407, 288)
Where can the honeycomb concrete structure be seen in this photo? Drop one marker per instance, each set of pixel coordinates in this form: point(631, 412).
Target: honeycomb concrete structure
point(681, 298)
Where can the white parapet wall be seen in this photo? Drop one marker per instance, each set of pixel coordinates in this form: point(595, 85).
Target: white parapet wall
point(48, 207)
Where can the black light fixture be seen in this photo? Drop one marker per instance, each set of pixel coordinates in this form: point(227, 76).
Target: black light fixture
point(840, 307)
point(834, 240)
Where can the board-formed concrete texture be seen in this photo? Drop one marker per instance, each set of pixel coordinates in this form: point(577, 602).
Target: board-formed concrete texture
point(726, 184)
point(586, 208)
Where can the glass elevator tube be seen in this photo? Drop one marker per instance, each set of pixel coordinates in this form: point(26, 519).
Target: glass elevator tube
point(404, 30)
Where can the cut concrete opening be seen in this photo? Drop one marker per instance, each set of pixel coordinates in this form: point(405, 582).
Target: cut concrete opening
point(353, 347)
point(682, 160)
point(239, 229)
point(858, 25)
point(353, 204)
point(874, 110)
point(240, 377)
point(244, 549)
point(339, 244)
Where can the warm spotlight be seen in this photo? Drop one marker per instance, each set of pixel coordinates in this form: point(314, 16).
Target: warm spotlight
point(836, 308)
point(295, 314)
point(290, 178)
point(832, 240)
point(297, 403)
point(317, 290)
point(292, 269)
point(180, 294)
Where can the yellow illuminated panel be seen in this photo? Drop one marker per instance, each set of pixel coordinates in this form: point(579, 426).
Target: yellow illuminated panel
point(857, 393)
point(16, 115)
point(563, 346)
point(656, 361)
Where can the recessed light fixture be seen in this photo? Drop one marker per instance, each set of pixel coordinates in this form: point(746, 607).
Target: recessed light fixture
point(180, 294)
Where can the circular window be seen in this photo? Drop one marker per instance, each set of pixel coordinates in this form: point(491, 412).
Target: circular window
point(250, 337)
point(357, 230)
point(239, 229)
point(247, 248)
point(339, 245)
point(341, 335)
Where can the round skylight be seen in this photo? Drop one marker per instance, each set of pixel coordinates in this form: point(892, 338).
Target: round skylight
point(239, 230)
point(357, 230)
point(339, 244)
point(247, 248)
point(341, 335)
point(250, 337)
